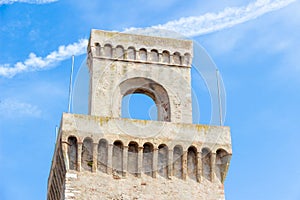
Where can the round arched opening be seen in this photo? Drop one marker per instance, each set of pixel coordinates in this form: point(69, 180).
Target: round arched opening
point(140, 94)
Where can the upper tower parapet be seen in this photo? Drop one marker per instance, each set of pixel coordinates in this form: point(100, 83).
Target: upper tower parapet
point(139, 48)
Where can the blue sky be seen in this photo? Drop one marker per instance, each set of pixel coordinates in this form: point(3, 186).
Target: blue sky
point(255, 45)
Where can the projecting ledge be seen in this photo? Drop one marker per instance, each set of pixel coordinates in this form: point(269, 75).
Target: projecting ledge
point(142, 131)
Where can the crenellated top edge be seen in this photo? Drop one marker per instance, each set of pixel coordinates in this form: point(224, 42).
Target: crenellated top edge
point(124, 46)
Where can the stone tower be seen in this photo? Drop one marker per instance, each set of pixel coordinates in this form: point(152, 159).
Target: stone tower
point(103, 156)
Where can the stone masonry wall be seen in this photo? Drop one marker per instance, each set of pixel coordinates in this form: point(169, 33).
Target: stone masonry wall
point(95, 186)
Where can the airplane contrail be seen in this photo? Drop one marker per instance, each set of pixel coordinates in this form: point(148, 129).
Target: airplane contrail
point(187, 26)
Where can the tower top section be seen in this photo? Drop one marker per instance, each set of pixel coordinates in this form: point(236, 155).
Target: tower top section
point(121, 64)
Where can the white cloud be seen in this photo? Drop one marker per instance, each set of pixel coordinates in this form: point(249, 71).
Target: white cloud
point(211, 22)
point(14, 108)
point(3, 2)
point(34, 63)
point(188, 26)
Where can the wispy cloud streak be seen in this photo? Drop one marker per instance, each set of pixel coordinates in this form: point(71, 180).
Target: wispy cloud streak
point(3, 2)
point(188, 26)
point(14, 108)
point(229, 17)
point(34, 63)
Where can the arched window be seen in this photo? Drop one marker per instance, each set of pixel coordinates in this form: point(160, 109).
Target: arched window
point(102, 155)
point(131, 53)
point(192, 163)
point(147, 88)
point(206, 163)
point(108, 50)
point(176, 58)
point(177, 161)
point(143, 54)
point(154, 55)
point(139, 106)
point(186, 59)
point(72, 152)
point(120, 52)
point(87, 154)
point(148, 159)
point(222, 161)
point(165, 57)
point(162, 163)
point(117, 159)
point(98, 49)
point(132, 163)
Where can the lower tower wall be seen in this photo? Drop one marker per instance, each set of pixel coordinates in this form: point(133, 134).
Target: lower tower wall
point(95, 186)
point(114, 158)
